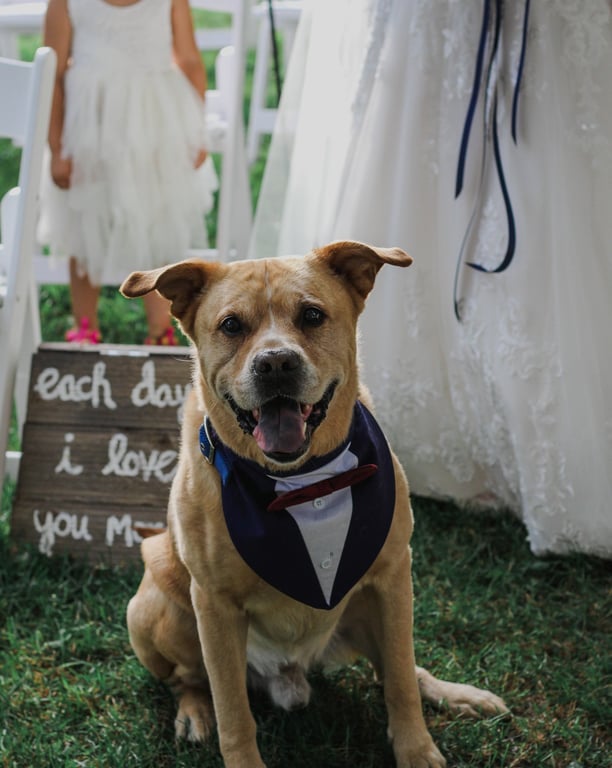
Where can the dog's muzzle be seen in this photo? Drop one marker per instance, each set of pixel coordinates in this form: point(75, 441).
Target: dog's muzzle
point(281, 426)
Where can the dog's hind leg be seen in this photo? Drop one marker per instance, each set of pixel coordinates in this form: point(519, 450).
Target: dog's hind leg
point(458, 698)
point(142, 612)
point(165, 639)
point(358, 636)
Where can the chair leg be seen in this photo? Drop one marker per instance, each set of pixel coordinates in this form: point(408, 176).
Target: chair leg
point(31, 340)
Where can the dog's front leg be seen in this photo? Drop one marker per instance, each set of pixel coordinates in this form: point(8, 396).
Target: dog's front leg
point(412, 744)
point(222, 628)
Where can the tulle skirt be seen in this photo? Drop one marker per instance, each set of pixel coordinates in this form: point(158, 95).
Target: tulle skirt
point(135, 200)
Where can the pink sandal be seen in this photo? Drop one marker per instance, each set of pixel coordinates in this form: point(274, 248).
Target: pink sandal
point(165, 339)
point(84, 334)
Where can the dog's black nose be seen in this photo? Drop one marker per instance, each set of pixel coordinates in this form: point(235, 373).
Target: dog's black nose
point(275, 363)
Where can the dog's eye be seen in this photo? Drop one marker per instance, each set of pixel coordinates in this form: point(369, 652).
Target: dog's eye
point(313, 317)
point(231, 326)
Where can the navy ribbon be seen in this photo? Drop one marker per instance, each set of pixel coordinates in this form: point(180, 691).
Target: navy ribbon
point(275, 56)
point(519, 71)
point(469, 118)
point(490, 133)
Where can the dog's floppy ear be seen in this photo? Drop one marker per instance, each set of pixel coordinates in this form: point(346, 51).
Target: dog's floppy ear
point(179, 283)
point(359, 263)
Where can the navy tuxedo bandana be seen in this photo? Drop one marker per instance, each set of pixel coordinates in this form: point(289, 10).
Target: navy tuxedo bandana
point(339, 509)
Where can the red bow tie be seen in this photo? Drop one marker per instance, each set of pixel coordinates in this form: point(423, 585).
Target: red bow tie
point(322, 488)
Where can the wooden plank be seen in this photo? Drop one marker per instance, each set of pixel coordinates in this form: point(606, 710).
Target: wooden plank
point(96, 534)
point(112, 385)
point(102, 466)
point(100, 447)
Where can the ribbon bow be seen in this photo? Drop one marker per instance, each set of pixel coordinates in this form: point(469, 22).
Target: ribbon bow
point(322, 488)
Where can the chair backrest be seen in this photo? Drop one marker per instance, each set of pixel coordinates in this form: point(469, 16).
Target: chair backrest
point(217, 37)
point(25, 98)
point(19, 18)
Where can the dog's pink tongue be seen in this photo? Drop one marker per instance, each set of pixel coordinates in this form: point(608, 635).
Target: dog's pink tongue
point(281, 427)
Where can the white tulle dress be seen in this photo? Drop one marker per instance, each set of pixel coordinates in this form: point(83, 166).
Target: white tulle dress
point(133, 127)
point(509, 406)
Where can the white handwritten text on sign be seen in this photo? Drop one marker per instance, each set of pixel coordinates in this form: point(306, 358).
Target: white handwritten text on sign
point(100, 448)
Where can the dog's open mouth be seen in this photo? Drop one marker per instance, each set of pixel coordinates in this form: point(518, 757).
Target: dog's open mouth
point(282, 427)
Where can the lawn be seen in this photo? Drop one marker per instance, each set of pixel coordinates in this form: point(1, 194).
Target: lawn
point(535, 630)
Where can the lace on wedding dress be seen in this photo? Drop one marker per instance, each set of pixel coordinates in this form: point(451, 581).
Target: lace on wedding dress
point(584, 43)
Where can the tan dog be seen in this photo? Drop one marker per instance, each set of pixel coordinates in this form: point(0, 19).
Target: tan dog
point(277, 388)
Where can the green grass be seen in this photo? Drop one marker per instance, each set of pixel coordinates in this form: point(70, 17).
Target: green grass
point(536, 631)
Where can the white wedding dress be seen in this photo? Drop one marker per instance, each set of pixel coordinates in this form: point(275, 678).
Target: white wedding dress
point(510, 406)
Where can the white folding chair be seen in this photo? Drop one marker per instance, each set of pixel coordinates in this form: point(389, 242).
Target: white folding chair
point(19, 18)
point(25, 104)
point(224, 106)
point(286, 14)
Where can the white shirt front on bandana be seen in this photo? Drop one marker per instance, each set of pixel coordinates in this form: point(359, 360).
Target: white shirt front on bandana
point(324, 521)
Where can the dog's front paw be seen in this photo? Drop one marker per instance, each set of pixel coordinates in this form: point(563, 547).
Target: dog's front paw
point(244, 758)
point(195, 718)
point(419, 755)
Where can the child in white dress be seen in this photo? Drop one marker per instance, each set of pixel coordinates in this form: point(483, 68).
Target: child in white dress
point(129, 180)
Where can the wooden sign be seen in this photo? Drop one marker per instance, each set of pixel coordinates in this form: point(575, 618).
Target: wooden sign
point(100, 447)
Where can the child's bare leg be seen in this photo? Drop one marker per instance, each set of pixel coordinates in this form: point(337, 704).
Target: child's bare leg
point(157, 310)
point(84, 297)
